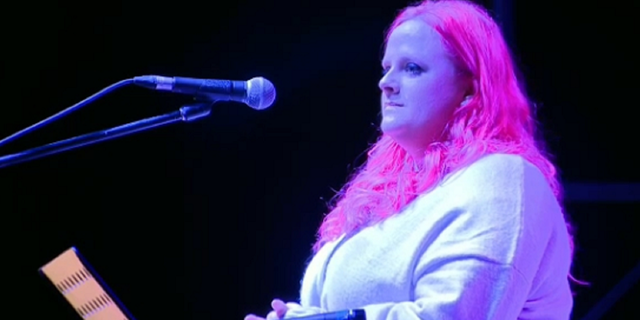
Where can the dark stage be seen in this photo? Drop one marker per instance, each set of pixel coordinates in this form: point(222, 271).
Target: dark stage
point(212, 219)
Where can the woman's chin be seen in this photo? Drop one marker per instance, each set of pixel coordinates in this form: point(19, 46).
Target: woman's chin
point(391, 127)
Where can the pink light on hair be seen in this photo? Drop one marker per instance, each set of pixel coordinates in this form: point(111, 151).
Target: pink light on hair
point(497, 119)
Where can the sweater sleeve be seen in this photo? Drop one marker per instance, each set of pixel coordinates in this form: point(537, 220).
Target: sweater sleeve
point(482, 260)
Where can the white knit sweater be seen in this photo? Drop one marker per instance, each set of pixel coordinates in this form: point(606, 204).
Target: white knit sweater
point(490, 242)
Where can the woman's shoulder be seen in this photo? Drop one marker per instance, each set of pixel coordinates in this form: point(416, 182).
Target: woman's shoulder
point(498, 162)
point(491, 166)
point(498, 171)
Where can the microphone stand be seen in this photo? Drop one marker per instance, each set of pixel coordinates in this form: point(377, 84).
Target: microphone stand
point(186, 113)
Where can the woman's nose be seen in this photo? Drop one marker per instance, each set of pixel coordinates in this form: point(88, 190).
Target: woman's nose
point(388, 84)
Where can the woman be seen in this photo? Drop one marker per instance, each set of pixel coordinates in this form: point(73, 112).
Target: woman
point(456, 213)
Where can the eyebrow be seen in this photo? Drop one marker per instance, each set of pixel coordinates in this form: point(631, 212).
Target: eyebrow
point(404, 58)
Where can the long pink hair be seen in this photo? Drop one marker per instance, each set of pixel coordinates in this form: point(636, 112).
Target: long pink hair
point(498, 119)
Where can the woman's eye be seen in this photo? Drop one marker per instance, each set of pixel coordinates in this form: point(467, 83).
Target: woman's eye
point(413, 68)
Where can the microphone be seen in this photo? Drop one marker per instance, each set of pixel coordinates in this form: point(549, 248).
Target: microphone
point(258, 93)
point(353, 314)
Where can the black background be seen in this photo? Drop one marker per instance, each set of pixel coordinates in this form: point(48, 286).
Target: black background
point(213, 219)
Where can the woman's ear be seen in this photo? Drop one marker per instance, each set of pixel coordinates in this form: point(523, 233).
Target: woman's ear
point(466, 100)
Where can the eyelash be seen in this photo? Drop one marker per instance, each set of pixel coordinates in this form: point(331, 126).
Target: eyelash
point(409, 67)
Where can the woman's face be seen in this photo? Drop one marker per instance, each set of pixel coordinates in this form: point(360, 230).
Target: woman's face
point(421, 86)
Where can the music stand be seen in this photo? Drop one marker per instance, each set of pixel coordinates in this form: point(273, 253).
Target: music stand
point(82, 287)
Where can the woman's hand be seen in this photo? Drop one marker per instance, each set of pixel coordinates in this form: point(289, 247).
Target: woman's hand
point(283, 310)
point(279, 310)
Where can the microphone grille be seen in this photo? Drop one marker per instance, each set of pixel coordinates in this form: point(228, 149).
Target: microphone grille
point(260, 93)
